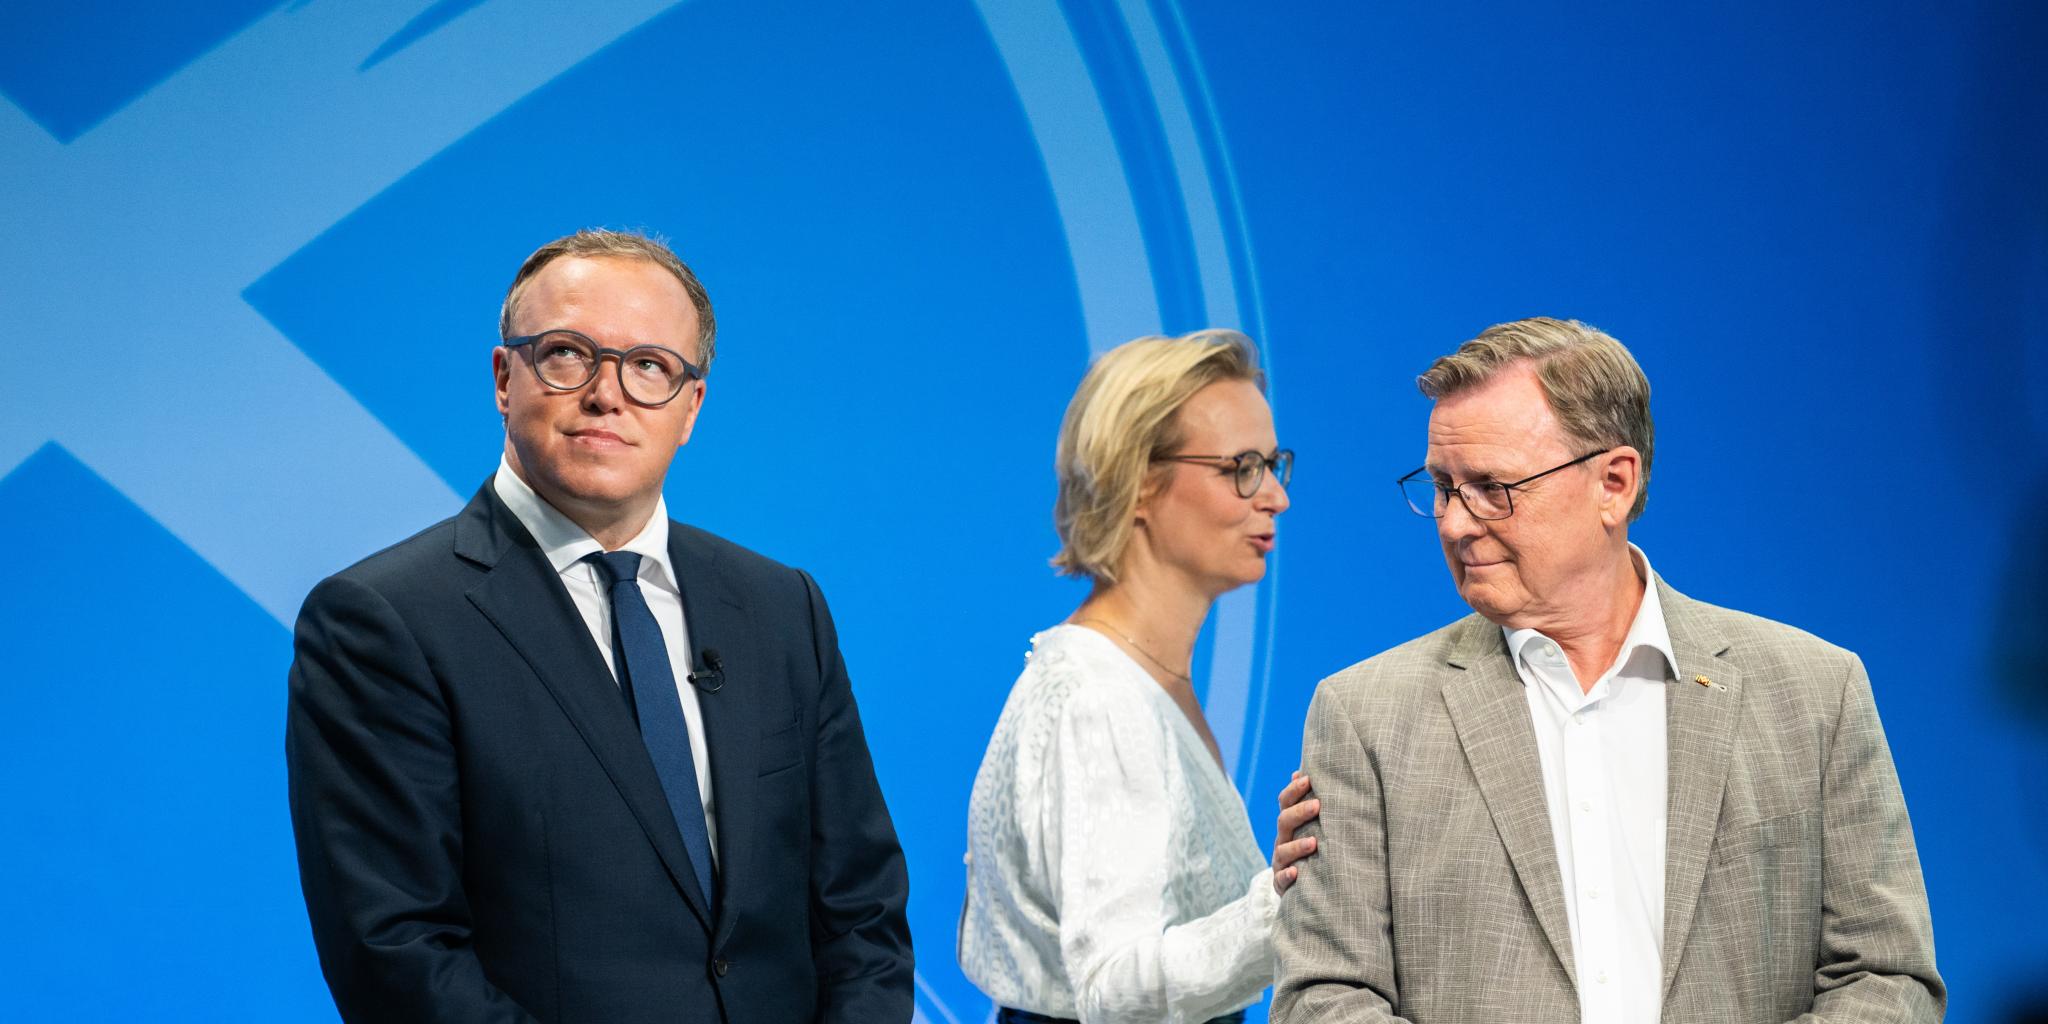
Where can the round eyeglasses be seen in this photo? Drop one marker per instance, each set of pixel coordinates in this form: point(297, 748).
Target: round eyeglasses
point(1484, 499)
point(1247, 469)
point(568, 361)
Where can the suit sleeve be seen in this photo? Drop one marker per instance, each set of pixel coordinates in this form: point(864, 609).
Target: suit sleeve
point(1335, 942)
point(860, 937)
point(1877, 941)
point(373, 788)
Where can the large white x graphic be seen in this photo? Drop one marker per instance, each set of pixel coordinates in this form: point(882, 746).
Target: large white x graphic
point(129, 249)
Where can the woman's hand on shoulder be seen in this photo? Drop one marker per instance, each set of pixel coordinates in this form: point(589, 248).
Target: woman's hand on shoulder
point(1298, 807)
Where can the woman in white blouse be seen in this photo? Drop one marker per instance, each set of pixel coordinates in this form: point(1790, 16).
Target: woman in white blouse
point(1113, 876)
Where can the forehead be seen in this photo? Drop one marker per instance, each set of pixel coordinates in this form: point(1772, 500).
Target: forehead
point(606, 295)
point(1232, 414)
point(1501, 426)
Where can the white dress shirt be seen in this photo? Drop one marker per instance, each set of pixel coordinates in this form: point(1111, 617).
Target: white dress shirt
point(565, 544)
point(1112, 872)
point(1604, 777)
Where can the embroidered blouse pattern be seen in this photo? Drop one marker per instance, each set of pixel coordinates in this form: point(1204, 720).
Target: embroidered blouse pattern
point(1112, 871)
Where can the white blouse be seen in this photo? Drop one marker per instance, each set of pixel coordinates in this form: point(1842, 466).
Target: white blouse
point(1112, 873)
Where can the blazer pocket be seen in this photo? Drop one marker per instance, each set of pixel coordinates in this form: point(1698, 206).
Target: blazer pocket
point(781, 749)
point(1744, 840)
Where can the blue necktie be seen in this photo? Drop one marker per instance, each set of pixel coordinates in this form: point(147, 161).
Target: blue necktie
point(643, 662)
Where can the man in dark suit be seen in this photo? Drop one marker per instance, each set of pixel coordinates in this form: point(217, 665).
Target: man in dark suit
point(561, 758)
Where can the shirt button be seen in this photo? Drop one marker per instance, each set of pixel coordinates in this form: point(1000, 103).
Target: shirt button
point(1586, 806)
point(1592, 894)
point(1603, 978)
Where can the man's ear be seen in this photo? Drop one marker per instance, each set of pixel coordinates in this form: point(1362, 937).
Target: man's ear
point(693, 393)
point(501, 372)
point(1621, 479)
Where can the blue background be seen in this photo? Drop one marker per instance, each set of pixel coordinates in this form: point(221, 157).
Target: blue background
point(255, 254)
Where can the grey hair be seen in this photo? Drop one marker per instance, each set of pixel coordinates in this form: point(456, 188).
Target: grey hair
point(1593, 384)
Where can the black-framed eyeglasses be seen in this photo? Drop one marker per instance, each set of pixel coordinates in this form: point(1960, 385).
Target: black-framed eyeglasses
point(568, 360)
point(1247, 469)
point(1484, 499)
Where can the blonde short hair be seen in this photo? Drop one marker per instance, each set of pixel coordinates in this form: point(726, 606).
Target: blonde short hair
point(1123, 417)
point(591, 243)
point(1593, 384)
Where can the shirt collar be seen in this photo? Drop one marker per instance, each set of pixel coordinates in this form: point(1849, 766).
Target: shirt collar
point(565, 543)
point(1647, 629)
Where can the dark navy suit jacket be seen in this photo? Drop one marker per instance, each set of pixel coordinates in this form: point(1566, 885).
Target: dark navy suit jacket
point(482, 836)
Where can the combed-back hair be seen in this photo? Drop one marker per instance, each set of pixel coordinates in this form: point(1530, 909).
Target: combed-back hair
point(1593, 384)
point(628, 245)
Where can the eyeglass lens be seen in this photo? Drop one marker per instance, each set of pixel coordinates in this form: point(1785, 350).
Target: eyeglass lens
point(1251, 471)
point(1484, 499)
point(649, 374)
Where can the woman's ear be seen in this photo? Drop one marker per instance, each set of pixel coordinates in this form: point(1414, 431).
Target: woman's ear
point(1157, 476)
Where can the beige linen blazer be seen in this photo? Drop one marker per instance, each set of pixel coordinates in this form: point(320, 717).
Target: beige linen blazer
point(1791, 886)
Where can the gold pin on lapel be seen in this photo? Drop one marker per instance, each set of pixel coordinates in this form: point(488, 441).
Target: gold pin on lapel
point(1708, 683)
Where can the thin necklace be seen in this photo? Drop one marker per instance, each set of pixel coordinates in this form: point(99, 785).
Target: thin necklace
point(1140, 648)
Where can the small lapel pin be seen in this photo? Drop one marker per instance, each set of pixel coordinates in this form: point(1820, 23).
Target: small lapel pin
point(1708, 683)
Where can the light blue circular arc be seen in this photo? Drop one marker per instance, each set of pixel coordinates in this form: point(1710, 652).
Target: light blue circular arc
point(1079, 150)
point(1113, 273)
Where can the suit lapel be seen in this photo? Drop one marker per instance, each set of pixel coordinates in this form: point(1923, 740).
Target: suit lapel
point(1491, 715)
point(718, 620)
point(1701, 723)
point(524, 598)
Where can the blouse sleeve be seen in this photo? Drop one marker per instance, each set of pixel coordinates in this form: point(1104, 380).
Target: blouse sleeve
point(1107, 777)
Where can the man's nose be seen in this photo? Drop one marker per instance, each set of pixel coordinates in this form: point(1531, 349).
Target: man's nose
point(1458, 522)
point(603, 393)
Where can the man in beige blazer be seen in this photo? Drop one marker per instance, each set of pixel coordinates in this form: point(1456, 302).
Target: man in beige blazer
point(1595, 800)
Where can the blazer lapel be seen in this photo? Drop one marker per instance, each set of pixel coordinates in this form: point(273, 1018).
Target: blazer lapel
point(718, 620)
point(524, 598)
point(1701, 723)
point(1491, 715)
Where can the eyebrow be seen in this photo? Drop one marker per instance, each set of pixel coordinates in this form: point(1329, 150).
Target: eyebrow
point(1482, 476)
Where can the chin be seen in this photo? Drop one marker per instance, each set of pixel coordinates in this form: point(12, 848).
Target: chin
point(1492, 604)
point(1480, 598)
point(598, 487)
point(1248, 575)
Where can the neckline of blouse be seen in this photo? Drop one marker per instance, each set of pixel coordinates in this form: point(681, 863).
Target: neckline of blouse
point(1136, 674)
